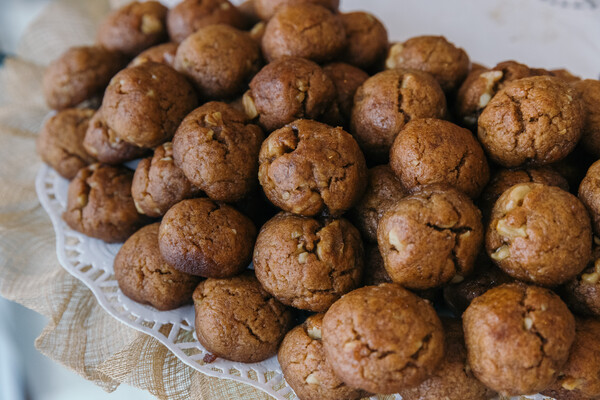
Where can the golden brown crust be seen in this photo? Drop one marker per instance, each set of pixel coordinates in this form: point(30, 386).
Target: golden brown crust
point(589, 90)
point(265, 9)
point(145, 277)
point(382, 339)
point(163, 53)
point(237, 320)
point(518, 338)
point(307, 168)
point(366, 38)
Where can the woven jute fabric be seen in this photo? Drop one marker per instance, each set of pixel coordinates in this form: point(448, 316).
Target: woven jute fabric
point(80, 334)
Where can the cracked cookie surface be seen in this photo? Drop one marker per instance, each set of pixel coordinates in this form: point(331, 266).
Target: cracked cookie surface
point(539, 234)
point(308, 263)
point(430, 237)
point(237, 320)
point(382, 339)
point(145, 277)
point(307, 168)
point(518, 338)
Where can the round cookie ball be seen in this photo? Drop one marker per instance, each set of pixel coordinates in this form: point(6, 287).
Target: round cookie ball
point(288, 89)
point(431, 151)
point(308, 263)
point(237, 320)
point(383, 190)
point(134, 27)
point(389, 100)
point(539, 234)
point(448, 64)
point(219, 59)
point(534, 121)
point(582, 293)
point(453, 380)
point(201, 237)
point(145, 104)
point(60, 142)
point(518, 338)
point(145, 277)
point(304, 30)
point(589, 194)
point(99, 203)
point(189, 16)
point(589, 90)
point(265, 9)
point(346, 80)
point(382, 339)
point(163, 53)
point(503, 179)
point(305, 368)
point(307, 168)
point(102, 143)
point(79, 74)
point(217, 150)
point(580, 377)
point(429, 238)
point(158, 184)
point(366, 37)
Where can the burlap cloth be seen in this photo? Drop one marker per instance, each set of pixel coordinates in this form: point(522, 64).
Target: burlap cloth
point(80, 334)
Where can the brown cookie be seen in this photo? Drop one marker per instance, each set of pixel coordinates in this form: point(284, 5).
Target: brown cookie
point(304, 30)
point(158, 184)
point(60, 142)
point(389, 100)
point(265, 9)
point(518, 338)
point(431, 151)
point(539, 234)
point(79, 74)
point(217, 150)
point(307, 168)
point(308, 263)
point(134, 27)
point(145, 277)
point(305, 368)
point(237, 320)
point(453, 380)
point(580, 377)
point(383, 190)
point(102, 143)
point(534, 121)
point(366, 38)
point(99, 203)
point(448, 64)
point(589, 194)
point(163, 53)
point(429, 238)
point(288, 89)
point(145, 104)
point(346, 80)
point(582, 293)
point(219, 59)
point(382, 339)
point(191, 15)
point(201, 237)
point(589, 90)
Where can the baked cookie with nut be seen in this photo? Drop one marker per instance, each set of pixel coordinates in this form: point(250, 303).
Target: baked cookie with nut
point(308, 263)
point(582, 293)
point(518, 338)
point(60, 142)
point(382, 339)
point(386, 102)
point(428, 151)
point(163, 53)
point(79, 74)
point(237, 320)
point(134, 27)
point(346, 80)
point(305, 367)
point(144, 276)
point(534, 121)
point(589, 194)
point(366, 39)
point(308, 168)
point(589, 90)
point(99, 203)
point(288, 89)
point(217, 150)
point(265, 9)
point(448, 64)
point(539, 234)
point(144, 104)
point(430, 238)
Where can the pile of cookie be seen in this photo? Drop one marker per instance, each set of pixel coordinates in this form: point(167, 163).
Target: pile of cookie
point(367, 181)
